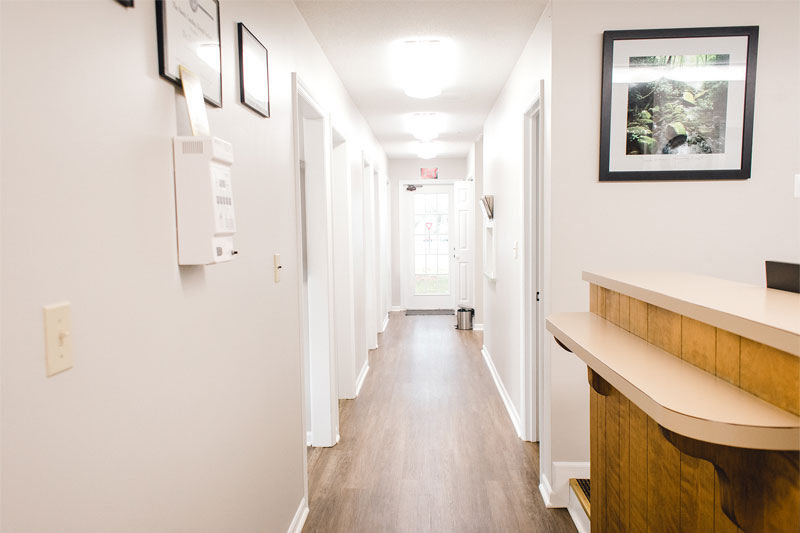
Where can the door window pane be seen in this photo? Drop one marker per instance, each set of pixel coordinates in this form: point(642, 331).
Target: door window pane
point(431, 244)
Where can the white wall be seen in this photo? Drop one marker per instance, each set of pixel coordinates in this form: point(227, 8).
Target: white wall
point(503, 171)
point(475, 172)
point(450, 169)
point(183, 410)
point(722, 228)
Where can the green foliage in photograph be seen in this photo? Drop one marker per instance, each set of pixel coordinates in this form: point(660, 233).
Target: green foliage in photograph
point(671, 116)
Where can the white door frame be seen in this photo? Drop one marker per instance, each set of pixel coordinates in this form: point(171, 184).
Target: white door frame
point(372, 299)
point(317, 324)
point(358, 236)
point(466, 254)
point(344, 303)
point(532, 301)
point(406, 240)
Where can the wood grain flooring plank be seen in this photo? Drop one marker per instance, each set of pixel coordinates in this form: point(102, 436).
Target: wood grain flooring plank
point(428, 445)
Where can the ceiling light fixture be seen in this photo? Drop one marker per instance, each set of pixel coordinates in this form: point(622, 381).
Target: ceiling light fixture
point(426, 150)
point(426, 126)
point(422, 66)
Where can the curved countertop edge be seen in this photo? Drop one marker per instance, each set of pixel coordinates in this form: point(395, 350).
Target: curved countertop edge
point(716, 432)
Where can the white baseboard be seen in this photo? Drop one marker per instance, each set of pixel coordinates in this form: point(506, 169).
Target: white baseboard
point(361, 377)
point(512, 411)
point(577, 513)
point(546, 490)
point(299, 519)
point(385, 323)
point(556, 493)
point(398, 309)
point(477, 327)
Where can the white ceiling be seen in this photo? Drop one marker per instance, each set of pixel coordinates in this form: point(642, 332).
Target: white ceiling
point(357, 37)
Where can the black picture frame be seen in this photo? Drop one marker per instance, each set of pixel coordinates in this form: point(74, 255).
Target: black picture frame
point(606, 173)
point(247, 39)
point(126, 3)
point(168, 65)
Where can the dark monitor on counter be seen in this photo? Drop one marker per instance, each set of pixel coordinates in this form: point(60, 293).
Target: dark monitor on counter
point(783, 276)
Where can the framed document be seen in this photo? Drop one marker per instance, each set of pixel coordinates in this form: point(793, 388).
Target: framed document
point(253, 72)
point(677, 104)
point(188, 35)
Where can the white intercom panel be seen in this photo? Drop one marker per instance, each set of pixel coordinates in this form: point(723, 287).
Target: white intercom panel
point(204, 200)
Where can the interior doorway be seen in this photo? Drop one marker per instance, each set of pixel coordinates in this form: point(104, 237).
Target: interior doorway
point(430, 257)
point(312, 139)
point(436, 226)
point(533, 270)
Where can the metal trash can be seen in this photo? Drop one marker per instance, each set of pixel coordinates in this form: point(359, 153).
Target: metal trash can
point(464, 317)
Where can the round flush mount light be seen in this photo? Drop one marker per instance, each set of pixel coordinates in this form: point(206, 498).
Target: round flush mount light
point(425, 126)
point(422, 66)
point(426, 150)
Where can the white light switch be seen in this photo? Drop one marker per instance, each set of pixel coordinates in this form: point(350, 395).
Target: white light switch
point(276, 264)
point(797, 185)
point(58, 339)
point(516, 249)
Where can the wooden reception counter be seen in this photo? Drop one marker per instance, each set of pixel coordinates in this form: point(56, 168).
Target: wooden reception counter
point(695, 402)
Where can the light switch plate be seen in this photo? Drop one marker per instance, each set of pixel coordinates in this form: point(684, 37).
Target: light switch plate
point(58, 338)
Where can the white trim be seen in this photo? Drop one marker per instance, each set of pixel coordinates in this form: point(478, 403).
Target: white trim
point(577, 513)
point(299, 519)
point(477, 327)
point(556, 494)
point(309, 438)
point(361, 377)
point(546, 491)
point(385, 323)
point(398, 309)
point(512, 411)
point(532, 280)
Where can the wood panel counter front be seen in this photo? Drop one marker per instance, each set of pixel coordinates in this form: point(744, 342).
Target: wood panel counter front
point(695, 398)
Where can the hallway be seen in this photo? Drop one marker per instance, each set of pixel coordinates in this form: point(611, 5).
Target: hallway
point(428, 445)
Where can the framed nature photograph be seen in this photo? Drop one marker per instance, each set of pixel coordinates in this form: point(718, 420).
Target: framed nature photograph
point(253, 72)
point(188, 35)
point(677, 104)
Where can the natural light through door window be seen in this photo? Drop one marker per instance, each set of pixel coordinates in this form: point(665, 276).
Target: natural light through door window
point(431, 244)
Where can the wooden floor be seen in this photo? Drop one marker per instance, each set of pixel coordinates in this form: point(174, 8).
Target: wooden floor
point(428, 445)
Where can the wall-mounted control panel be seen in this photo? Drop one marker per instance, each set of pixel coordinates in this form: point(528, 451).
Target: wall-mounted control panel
point(204, 200)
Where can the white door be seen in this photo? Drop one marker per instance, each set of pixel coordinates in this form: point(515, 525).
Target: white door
point(429, 280)
point(463, 244)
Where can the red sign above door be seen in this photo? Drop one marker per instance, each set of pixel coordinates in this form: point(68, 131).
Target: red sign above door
point(429, 173)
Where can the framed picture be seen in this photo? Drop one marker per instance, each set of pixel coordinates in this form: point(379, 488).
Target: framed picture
point(677, 104)
point(126, 3)
point(253, 72)
point(188, 35)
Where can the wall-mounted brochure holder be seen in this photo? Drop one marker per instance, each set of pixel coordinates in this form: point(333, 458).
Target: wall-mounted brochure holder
point(489, 261)
point(487, 206)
